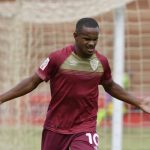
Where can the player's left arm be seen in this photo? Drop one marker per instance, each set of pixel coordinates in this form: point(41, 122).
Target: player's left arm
point(118, 92)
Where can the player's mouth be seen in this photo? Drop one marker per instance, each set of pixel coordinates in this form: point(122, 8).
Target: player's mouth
point(90, 50)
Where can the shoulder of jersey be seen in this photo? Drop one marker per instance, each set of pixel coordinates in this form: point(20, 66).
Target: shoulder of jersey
point(62, 52)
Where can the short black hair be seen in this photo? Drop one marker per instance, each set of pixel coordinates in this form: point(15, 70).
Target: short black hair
point(86, 22)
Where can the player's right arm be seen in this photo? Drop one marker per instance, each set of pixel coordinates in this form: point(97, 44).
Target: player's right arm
point(25, 86)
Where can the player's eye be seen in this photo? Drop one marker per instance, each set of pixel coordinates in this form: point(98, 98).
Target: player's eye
point(87, 39)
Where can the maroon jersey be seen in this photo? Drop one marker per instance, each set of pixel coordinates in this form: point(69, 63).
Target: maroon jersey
point(74, 89)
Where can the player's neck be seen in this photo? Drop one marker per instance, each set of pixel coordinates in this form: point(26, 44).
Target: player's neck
point(79, 53)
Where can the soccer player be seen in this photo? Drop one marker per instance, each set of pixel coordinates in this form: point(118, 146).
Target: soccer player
point(74, 72)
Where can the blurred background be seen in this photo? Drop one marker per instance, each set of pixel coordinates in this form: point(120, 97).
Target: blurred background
point(31, 29)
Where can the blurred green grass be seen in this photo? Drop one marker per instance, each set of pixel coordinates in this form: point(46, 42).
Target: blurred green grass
point(20, 138)
point(29, 138)
point(133, 138)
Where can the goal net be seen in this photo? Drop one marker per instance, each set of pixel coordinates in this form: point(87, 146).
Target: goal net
point(31, 29)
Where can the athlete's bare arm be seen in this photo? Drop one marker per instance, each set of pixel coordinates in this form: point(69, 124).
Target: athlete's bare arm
point(24, 87)
point(118, 92)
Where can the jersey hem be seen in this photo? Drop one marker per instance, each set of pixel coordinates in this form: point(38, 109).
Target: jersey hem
point(69, 132)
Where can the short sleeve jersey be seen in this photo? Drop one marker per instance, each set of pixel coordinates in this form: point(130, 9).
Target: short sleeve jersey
point(74, 89)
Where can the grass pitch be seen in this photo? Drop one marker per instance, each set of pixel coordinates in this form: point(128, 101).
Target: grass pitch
point(29, 138)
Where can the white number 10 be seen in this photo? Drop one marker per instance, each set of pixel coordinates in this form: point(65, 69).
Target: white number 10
point(93, 138)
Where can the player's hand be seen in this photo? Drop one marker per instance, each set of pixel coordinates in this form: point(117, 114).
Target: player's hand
point(145, 104)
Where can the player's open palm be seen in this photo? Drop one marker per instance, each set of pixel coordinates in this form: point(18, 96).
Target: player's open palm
point(145, 104)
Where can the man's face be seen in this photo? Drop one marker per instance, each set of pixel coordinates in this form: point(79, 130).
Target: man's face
point(86, 41)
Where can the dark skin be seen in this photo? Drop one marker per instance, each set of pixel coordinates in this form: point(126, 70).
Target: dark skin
point(85, 43)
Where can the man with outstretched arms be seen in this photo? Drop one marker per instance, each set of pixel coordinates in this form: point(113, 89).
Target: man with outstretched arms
point(74, 72)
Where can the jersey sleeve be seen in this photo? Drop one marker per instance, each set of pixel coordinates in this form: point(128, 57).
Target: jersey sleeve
point(106, 77)
point(47, 69)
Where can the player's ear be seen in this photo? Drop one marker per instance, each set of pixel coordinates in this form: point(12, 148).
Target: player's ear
point(75, 34)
